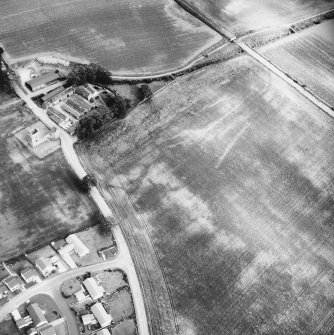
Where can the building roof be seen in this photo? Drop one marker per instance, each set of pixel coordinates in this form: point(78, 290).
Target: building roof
point(59, 114)
point(23, 322)
point(13, 282)
point(88, 319)
point(104, 331)
point(49, 330)
point(51, 94)
point(101, 315)
point(32, 331)
point(79, 247)
point(16, 315)
point(36, 314)
point(83, 102)
point(29, 274)
point(43, 263)
point(93, 289)
point(43, 79)
point(76, 105)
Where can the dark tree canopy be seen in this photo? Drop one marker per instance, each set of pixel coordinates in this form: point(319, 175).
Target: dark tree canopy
point(91, 73)
point(87, 182)
point(144, 92)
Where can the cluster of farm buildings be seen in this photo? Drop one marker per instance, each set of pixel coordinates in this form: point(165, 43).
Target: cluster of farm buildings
point(65, 106)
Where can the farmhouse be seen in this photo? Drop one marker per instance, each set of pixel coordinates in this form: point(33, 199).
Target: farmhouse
point(37, 315)
point(79, 247)
point(101, 315)
point(42, 81)
point(94, 290)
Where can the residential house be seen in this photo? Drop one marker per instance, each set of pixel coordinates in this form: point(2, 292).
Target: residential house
point(14, 283)
point(101, 315)
point(88, 319)
point(79, 247)
point(45, 266)
point(104, 331)
point(94, 290)
point(37, 315)
point(30, 275)
point(23, 322)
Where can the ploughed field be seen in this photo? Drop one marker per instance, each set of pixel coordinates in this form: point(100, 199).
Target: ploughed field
point(308, 57)
point(121, 35)
point(244, 16)
point(230, 170)
point(40, 199)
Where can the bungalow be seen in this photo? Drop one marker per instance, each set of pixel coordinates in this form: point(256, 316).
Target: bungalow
point(79, 247)
point(44, 265)
point(80, 296)
point(94, 290)
point(37, 315)
point(14, 283)
point(101, 315)
point(16, 315)
point(30, 275)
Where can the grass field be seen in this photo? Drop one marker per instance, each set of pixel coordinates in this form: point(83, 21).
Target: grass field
point(243, 16)
point(122, 35)
point(231, 172)
point(311, 49)
point(39, 198)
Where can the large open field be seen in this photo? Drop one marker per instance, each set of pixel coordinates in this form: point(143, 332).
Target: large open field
point(311, 49)
point(122, 35)
point(39, 198)
point(231, 173)
point(243, 16)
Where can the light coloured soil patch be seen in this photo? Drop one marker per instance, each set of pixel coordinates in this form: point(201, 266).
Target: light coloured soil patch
point(230, 170)
point(311, 49)
point(123, 36)
point(112, 280)
point(120, 305)
point(126, 327)
point(242, 16)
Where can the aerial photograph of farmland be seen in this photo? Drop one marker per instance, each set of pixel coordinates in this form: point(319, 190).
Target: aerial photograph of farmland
point(167, 167)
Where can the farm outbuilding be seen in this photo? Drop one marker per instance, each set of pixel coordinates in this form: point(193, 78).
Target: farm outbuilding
point(42, 81)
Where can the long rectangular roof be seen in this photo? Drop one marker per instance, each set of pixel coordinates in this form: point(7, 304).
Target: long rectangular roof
point(101, 315)
point(51, 94)
point(79, 247)
point(94, 290)
point(43, 79)
point(36, 314)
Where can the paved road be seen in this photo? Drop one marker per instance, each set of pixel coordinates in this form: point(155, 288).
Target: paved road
point(123, 260)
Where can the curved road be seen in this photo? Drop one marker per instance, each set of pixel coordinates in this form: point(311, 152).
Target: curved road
point(123, 260)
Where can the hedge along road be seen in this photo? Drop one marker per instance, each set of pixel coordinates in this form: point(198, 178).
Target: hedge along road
point(123, 260)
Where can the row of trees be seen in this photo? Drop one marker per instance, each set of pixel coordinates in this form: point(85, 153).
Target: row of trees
point(106, 224)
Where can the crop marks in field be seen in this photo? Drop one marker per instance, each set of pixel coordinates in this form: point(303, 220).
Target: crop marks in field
point(312, 49)
point(231, 170)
